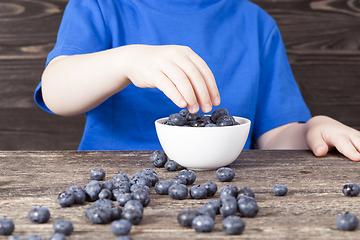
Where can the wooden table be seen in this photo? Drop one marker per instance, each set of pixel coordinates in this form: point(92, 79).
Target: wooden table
point(308, 211)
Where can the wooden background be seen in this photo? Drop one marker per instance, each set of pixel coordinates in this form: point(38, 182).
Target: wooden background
point(322, 38)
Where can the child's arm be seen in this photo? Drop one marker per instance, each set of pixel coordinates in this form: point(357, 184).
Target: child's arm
point(76, 84)
point(320, 134)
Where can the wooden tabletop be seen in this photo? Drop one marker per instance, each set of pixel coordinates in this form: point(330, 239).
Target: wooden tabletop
point(308, 211)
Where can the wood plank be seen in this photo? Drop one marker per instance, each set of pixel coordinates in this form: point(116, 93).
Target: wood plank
point(308, 211)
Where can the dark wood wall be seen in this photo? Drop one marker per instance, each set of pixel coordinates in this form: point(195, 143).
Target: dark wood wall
point(322, 38)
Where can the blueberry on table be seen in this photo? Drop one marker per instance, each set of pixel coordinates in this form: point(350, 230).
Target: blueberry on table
point(92, 190)
point(247, 206)
point(79, 194)
point(229, 206)
point(123, 198)
point(225, 174)
point(178, 180)
point(132, 215)
point(203, 223)
point(245, 191)
point(198, 192)
point(63, 226)
point(211, 188)
point(16, 238)
point(39, 214)
point(189, 175)
point(206, 211)
point(58, 236)
point(185, 217)
point(134, 205)
point(125, 237)
point(120, 227)
point(6, 226)
point(218, 113)
point(233, 225)
point(280, 189)
point(98, 214)
point(178, 191)
point(109, 185)
point(140, 179)
point(228, 190)
point(105, 194)
point(141, 196)
point(136, 188)
point(120, 177)
point(347, 222)
point(171, 166)
point(66, 198)
point(351, 190)
point(158, 158)
point(103, 203)
point(162, 187)
point(214, 204)
point(97, 174)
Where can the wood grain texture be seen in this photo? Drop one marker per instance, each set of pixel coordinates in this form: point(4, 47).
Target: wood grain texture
point(322, 39)
point(308, 211)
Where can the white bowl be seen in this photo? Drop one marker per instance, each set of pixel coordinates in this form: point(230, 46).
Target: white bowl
point(203, 148)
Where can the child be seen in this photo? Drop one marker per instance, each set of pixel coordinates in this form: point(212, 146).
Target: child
point(126, 63)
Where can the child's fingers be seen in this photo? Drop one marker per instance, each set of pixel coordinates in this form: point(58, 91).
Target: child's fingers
point(208, 78)
point(344, 145)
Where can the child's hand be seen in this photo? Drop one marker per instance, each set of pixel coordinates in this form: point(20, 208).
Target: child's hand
point(179, 72)
point(324, 133)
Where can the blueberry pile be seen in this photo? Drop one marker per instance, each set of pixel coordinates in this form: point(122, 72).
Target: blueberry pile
point(219, 118)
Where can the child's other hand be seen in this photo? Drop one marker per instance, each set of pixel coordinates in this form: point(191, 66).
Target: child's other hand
point(177, 71)
point(324, 134)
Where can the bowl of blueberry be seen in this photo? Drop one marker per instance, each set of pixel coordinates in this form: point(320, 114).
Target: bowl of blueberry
point(202, 142)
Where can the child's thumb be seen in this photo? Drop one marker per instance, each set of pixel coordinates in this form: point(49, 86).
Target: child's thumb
point(317, 144)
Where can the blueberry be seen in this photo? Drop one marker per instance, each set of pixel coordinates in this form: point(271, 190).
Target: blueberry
point(225, 120)
point(134, 205)
point(120, 177)
point(178, 191)
point(141, 196)
point(193, 116)
point(140, 179)
point(162, 187)
point(151, 175)
point(63, 226)
point(351, 190)
point(225, 174)
point(197, 123)
point(184, 112)
point(124, 186)
point(280, 189)
point(109, 185)
point(124, 198)
point(66, 198)
point(118, 191)
point(15, 238)
point(92, 190)
point(36, 237)
point(115, 212)
point(98, 214)
point(39, 214)
point(125, 237)
point(228, 190)
point(105, 194)
point(233, 225)
point(246, 191)
point(189, 175)
point(247, 206)
point(214, 204)
point(148, 171)
point(178, 180)
point(228, 206)
point(218, 113)
point(132, 215)
point(97, 174)
point(185, 217)
point(103, 203)
point(79, 194)
point(198, 192)
point(206, 211)
point(120, 227)
point(347, 222)
point(211, 188)
point(203, 223)
point(177, 119)
point(136, 188)
point(6, 226)
point(58, 236)
point(158, 158)
point(171, 165)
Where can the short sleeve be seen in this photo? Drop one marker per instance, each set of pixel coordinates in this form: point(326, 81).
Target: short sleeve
point(279, 98)
point(82, 30)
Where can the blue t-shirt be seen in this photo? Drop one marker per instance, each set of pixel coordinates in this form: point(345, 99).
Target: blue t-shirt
point(239, 41)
